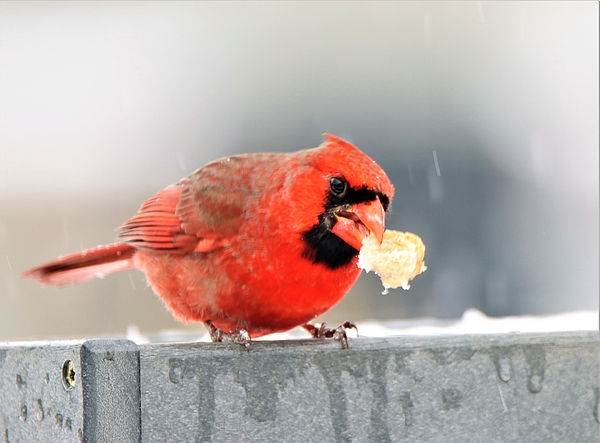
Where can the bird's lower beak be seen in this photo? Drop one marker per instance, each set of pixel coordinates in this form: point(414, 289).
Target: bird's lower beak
point(358, 221)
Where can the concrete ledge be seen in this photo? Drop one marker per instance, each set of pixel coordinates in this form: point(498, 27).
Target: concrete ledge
point(70, 392)
point(481, 388)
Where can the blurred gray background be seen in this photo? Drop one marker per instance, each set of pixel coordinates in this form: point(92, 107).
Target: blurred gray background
point(103, 104)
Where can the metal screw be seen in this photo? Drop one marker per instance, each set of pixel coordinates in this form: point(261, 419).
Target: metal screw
point(68, 374)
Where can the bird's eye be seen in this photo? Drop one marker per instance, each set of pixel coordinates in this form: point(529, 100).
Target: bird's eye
point(337, 186)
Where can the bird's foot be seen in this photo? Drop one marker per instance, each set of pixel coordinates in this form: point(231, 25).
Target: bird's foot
point(239, 336)
point(338, 333)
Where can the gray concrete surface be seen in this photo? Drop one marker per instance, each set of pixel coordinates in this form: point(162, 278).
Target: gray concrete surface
point(95, 400)
point(481, 388)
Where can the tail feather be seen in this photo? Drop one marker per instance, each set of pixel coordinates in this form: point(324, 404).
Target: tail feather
point(84, 265)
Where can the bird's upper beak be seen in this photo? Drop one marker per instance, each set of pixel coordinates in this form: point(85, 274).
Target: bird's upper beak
point(355, 222)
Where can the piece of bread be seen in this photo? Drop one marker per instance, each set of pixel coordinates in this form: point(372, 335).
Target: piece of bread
point(397, 260)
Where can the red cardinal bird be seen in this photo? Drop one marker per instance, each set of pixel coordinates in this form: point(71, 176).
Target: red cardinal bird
point(250, 244)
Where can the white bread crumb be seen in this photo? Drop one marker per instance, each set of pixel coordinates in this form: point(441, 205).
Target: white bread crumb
point(397, 260)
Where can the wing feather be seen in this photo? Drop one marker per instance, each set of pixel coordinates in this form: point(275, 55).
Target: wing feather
point(156, 226)
point(198, 214)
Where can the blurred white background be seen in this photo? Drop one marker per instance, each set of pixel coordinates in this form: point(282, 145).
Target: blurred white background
point(103, 104)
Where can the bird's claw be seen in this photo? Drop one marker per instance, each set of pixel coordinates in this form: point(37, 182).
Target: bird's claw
point(239, 336)
point(338, 333)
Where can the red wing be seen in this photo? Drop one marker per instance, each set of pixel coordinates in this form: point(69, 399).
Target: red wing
point(213, 205)
point(156, 226)
point(210, 212)
point(198, 214)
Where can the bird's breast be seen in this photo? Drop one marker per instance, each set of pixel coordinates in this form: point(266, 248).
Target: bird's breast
point(263, 286)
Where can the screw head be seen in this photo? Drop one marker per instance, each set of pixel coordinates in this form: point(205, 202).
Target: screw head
point(68, 375)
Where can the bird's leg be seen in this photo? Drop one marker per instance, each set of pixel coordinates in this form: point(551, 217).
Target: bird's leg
point(338, 333)
point(216, 334)
point(239, 336)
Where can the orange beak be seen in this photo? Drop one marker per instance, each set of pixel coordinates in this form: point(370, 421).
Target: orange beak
point(358, 221)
